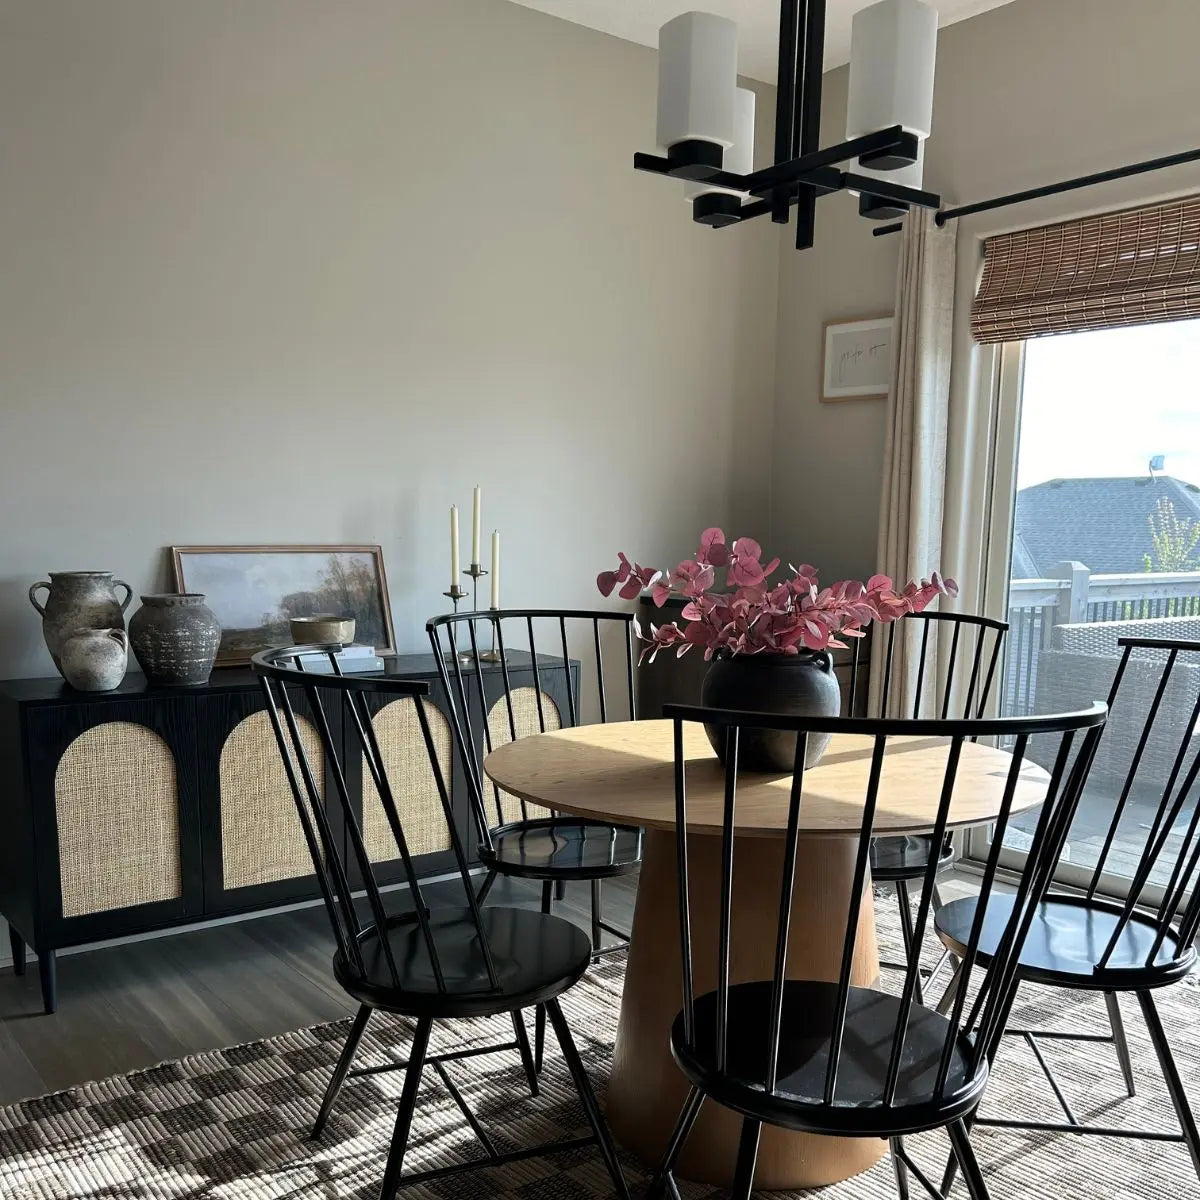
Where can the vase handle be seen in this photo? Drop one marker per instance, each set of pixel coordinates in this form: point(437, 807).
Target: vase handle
point(33, 599)
point(825, 659)
point(120, 637)
point(128, 592)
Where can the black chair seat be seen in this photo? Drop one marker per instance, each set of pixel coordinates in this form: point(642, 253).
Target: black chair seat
point(905, 857)
point(563, 848)
point(1068, 936)
point(804, 1048)
point(536, 957)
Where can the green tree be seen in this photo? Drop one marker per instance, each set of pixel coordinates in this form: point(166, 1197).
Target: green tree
point(1174, 540)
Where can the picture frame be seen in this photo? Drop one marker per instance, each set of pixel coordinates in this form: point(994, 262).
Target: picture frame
point(856, 359)
point(255, 590)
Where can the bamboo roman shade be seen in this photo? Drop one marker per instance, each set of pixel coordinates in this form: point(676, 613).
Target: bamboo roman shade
point(1125, 268)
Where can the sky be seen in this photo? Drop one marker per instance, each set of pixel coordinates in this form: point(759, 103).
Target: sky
point(1104, 403)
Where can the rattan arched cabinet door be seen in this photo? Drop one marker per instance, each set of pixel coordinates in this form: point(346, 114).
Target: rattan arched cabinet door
point(117, 815)
point(254, 848)
point(398, 733)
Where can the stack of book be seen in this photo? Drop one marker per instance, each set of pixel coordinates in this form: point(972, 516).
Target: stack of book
point(351, 660)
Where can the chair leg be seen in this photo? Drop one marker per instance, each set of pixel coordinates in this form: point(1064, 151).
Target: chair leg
point(906, 928)
point(539, 1015)
point(662, 1179)
point(960, 1139)
point(597, 932)
point(990, 1051)
point(560, 889)
point(586, 1096)
point(404, 1115)
point(482, 895)
point(361, 1018)
point(1118, 1032)
point(747, 1156)
point(1166, 1060)
point(943, 1005)
point(899, 1169)
point(522, 1036)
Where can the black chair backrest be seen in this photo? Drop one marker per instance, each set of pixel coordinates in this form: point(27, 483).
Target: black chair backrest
point(975, 647)
point(478, 654)
point(1077, 735)
point(284, 683)
point(1177, 667)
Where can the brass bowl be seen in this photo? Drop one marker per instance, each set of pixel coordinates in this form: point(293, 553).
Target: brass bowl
point(321, 629)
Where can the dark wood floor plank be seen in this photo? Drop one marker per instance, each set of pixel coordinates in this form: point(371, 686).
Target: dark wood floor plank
point(127, 1007)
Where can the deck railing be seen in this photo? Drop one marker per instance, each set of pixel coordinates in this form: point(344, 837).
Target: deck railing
point(1073, 595)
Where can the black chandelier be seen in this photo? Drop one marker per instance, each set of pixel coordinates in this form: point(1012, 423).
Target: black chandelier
point(706, 123)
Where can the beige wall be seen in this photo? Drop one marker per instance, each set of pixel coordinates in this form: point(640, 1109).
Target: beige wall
point(298, 271)
point(1036, 91)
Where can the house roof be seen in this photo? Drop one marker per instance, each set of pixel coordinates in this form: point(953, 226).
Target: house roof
point(1103, 523)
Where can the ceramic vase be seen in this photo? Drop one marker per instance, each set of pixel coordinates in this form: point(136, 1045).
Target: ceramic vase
point(95, 660)
point(794, 685)
point(78, 600)
point(175, 638)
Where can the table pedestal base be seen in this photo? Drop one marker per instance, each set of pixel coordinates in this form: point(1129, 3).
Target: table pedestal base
point(647, 1089)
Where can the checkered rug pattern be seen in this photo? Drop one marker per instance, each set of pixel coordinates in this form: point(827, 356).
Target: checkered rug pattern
point(231, 1124)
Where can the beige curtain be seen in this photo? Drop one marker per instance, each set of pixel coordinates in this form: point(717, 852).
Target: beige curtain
point(914, 463)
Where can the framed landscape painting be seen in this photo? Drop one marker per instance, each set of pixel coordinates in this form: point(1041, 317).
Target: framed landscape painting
point(256, 590)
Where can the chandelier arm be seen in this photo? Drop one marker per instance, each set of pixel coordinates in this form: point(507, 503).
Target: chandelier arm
point(808, 104)
point(786, 100)
point(887, 190)
point(786, 174)
point(694, 173)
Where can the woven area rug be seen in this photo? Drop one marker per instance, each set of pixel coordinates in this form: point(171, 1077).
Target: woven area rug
point(231, 1124)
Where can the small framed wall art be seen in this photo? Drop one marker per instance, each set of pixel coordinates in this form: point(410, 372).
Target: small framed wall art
point(856, 362)
point(255, 590)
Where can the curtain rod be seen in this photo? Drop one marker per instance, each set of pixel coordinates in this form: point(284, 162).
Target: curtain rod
point(1053, 189)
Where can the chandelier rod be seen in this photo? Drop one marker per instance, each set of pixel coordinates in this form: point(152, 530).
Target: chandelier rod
point(1054, 189)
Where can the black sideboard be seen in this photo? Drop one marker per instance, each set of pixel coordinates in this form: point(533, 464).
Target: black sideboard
point(145, 807)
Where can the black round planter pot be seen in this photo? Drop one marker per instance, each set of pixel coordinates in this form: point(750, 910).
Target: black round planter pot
point(793, 685)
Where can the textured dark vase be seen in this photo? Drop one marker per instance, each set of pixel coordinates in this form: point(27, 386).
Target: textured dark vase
point(793, 685)
point(175, 638)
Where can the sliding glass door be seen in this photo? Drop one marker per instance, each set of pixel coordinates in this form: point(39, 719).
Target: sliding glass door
point(1102, 532)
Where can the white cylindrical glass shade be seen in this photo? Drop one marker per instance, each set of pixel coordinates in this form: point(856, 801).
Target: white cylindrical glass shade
point(911, 176)
point(697, 78)
point(893, 46)
point(739, 158)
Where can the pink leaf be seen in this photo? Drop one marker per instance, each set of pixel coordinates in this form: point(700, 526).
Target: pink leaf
point(606, 581)
point(659, 594)
point(630, 589)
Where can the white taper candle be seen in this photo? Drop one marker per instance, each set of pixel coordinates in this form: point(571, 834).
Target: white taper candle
point(476, 509)
point(495, 568)
point(453, 546)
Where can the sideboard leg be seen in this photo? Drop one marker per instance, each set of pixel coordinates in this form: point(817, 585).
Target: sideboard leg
point(49, 979)
point(18, 951)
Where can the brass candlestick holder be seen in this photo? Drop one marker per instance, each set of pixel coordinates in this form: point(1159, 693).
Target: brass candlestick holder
point(476, 572)
point(456, 594)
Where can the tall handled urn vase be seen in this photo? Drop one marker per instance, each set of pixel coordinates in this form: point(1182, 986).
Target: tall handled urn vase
point(793, 685)
point(75, 601)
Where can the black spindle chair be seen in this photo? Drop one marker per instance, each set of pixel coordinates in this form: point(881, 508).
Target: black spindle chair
point(961, 680)
point(438, 960)
point(827, 1057)
point(1093, 942)
point(478, 655)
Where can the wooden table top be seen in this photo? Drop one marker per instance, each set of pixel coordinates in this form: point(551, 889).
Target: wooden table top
point(624, 772)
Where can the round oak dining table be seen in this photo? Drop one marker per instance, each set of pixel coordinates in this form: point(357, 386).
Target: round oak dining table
point(624, 772)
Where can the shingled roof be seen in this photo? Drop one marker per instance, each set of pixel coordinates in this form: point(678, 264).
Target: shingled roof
point(1102, 523)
